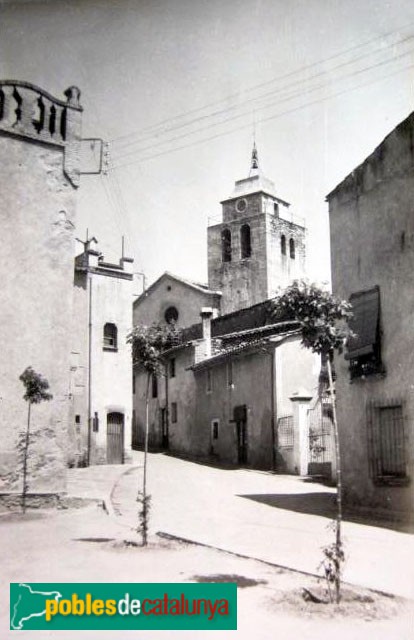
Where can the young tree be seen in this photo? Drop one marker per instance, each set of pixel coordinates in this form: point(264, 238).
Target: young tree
point(322, 319)
point(148, 346)
point(36, 392)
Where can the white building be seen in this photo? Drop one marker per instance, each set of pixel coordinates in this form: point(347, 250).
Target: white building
point(101, 359)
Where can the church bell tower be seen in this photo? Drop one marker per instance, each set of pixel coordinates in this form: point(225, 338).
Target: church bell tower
point(258, 248)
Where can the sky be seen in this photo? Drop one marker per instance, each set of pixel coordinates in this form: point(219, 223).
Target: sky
point(179, 89)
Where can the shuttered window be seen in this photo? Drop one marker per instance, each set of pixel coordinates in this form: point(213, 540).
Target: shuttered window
point(387, 443)
point(364, 348)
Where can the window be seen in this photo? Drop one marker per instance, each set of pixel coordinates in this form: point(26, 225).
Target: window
point(230, 374)
point(364, 349)
point(110, 337)
point(171, 315)
point(172, 368)
point(292, 248)
point(173, 412)
point(209, 381)
point(154, 386)
point(245, 241)
point(226, 245)
point(77, 419)
point(285, 434)
point(215, 429)
point(133, 383)
point(95, 423)
point(387, 442)
point(283, 245)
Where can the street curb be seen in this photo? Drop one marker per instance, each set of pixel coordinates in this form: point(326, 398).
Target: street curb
point(171, 536)
point(107, 502)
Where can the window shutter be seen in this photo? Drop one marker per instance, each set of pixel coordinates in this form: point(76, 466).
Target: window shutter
point(364, 324)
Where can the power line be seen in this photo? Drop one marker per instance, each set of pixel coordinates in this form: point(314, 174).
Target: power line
point(263, 120)
point(260, 85)
point(268, 106)
point(240, 105)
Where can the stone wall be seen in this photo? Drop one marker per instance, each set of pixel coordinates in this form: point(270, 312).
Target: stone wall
point(248, 281)
point(242, 281)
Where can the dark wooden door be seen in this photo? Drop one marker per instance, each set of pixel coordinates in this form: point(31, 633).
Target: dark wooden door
point(240, 418)
point(164, 429)
point(115, 438)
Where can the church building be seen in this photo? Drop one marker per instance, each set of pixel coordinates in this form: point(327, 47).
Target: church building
point(240, 373)
point(257, 248)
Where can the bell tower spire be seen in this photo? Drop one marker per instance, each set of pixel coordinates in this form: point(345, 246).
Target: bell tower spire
point(254, 164)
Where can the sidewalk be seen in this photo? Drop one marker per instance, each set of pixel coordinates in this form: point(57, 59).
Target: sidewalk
point(96, 482)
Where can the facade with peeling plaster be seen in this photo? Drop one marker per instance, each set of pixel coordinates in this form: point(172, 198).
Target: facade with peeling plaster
point(372, 253)
point(40, 168)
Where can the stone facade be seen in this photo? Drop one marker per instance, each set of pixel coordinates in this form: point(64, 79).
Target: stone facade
point(101, 380)
point(372, 245)
point(258, 248)
point(39, 156)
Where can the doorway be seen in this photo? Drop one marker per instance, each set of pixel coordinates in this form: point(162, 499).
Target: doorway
point(115, 438)
point(240, 418)
point(164, 429)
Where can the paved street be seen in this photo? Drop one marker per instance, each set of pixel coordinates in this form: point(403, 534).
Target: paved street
point(272, 518)
point(211, 506)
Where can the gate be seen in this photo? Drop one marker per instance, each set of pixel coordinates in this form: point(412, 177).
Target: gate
point(115, 438)
point(321, 443)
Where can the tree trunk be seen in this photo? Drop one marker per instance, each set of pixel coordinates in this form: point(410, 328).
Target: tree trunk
point(144, 482)
point(338, 540)
point(25, 457)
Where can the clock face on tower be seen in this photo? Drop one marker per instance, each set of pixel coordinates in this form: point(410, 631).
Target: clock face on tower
point(241, 205)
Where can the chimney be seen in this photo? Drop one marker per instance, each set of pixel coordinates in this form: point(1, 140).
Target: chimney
point(206, 315)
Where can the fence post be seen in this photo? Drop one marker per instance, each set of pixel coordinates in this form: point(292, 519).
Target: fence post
point(300, 405)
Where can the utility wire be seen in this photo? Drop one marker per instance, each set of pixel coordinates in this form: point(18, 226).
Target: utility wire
point(242, 104)
point(263, 84)
point(268, 106)
point(275, 103)
point(262, 120)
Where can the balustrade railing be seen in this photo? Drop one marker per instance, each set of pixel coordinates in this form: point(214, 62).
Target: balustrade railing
point(29, 111)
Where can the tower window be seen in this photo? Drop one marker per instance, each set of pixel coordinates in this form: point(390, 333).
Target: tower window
point(283, 245)
point(276, 208)
point(292, 248)
point(226, 245)
point(245, 241)
point(110, 337)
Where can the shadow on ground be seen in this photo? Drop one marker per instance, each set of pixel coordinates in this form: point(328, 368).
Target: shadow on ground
point(324, 504)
